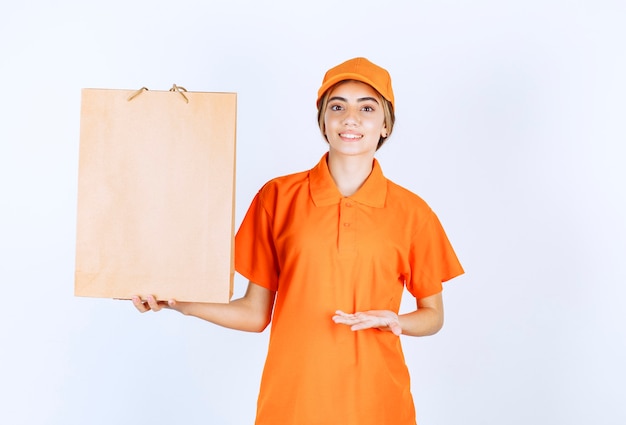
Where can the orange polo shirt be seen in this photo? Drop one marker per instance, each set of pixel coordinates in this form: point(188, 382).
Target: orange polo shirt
point(324, 252)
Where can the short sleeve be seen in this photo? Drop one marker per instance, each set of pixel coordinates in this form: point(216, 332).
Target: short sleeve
point(432, 259)
point(255, 253)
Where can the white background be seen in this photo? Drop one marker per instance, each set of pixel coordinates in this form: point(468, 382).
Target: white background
point(511, 123)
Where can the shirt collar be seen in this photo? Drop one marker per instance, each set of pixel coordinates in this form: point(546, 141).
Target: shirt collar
point(324, 192)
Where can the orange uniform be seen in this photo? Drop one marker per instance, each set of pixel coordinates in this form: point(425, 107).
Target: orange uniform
point(324, 252)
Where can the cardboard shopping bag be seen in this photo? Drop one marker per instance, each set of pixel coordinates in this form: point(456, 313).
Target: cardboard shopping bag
point(156, 185)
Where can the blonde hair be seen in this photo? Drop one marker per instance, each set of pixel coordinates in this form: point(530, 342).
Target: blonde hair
point(390, 117)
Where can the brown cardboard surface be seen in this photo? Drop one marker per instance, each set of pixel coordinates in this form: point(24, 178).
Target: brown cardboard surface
point(156, 188)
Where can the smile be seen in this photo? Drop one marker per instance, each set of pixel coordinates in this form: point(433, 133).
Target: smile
point(350, 136)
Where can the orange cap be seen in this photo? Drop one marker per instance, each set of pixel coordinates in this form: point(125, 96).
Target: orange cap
point(359, 69)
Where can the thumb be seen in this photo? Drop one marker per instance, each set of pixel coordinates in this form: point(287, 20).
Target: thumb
point(396, 328)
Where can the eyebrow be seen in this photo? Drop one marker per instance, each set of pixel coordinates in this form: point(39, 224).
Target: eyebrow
point(361, 99)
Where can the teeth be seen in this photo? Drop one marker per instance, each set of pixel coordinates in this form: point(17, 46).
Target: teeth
point(351, 136)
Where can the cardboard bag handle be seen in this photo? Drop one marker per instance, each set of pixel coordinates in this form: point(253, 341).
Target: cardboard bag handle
point(175, 88)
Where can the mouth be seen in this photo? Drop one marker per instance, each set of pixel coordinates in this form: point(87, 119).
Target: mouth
point(350, 136)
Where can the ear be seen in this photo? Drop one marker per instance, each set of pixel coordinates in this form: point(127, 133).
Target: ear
point(383, 132)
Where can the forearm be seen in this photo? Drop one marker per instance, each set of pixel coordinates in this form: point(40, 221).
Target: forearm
point(239, 314)
point(426, 320)
point(421, 322)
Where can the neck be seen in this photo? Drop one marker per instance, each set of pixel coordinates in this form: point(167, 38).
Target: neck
point(349, 172)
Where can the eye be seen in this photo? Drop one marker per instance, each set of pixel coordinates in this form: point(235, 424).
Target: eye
point(335, 107)
point(367, 108)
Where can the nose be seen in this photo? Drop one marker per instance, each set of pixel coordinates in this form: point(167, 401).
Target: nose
point(351, 117)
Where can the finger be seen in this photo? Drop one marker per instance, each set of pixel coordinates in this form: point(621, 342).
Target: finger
point(139, 304)
point(368, 324)
point(396, 328)
point(339, 317)
point(346, 320)
point(374, 322)
point(153, 303)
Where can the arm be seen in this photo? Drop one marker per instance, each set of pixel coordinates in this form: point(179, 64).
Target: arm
point(251, 313)
point(426, 320)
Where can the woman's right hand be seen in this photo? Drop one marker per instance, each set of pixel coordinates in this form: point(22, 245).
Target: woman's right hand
point(151, 304)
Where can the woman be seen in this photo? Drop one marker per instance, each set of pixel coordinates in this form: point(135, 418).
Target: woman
point(328, 253)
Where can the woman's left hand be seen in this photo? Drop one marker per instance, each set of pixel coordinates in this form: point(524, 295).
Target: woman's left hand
point(384, 320)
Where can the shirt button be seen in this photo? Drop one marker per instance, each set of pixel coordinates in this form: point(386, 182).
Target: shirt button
point(346, 224)
point(348, 204)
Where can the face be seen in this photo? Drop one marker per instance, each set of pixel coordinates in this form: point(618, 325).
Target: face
point(354, 119)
